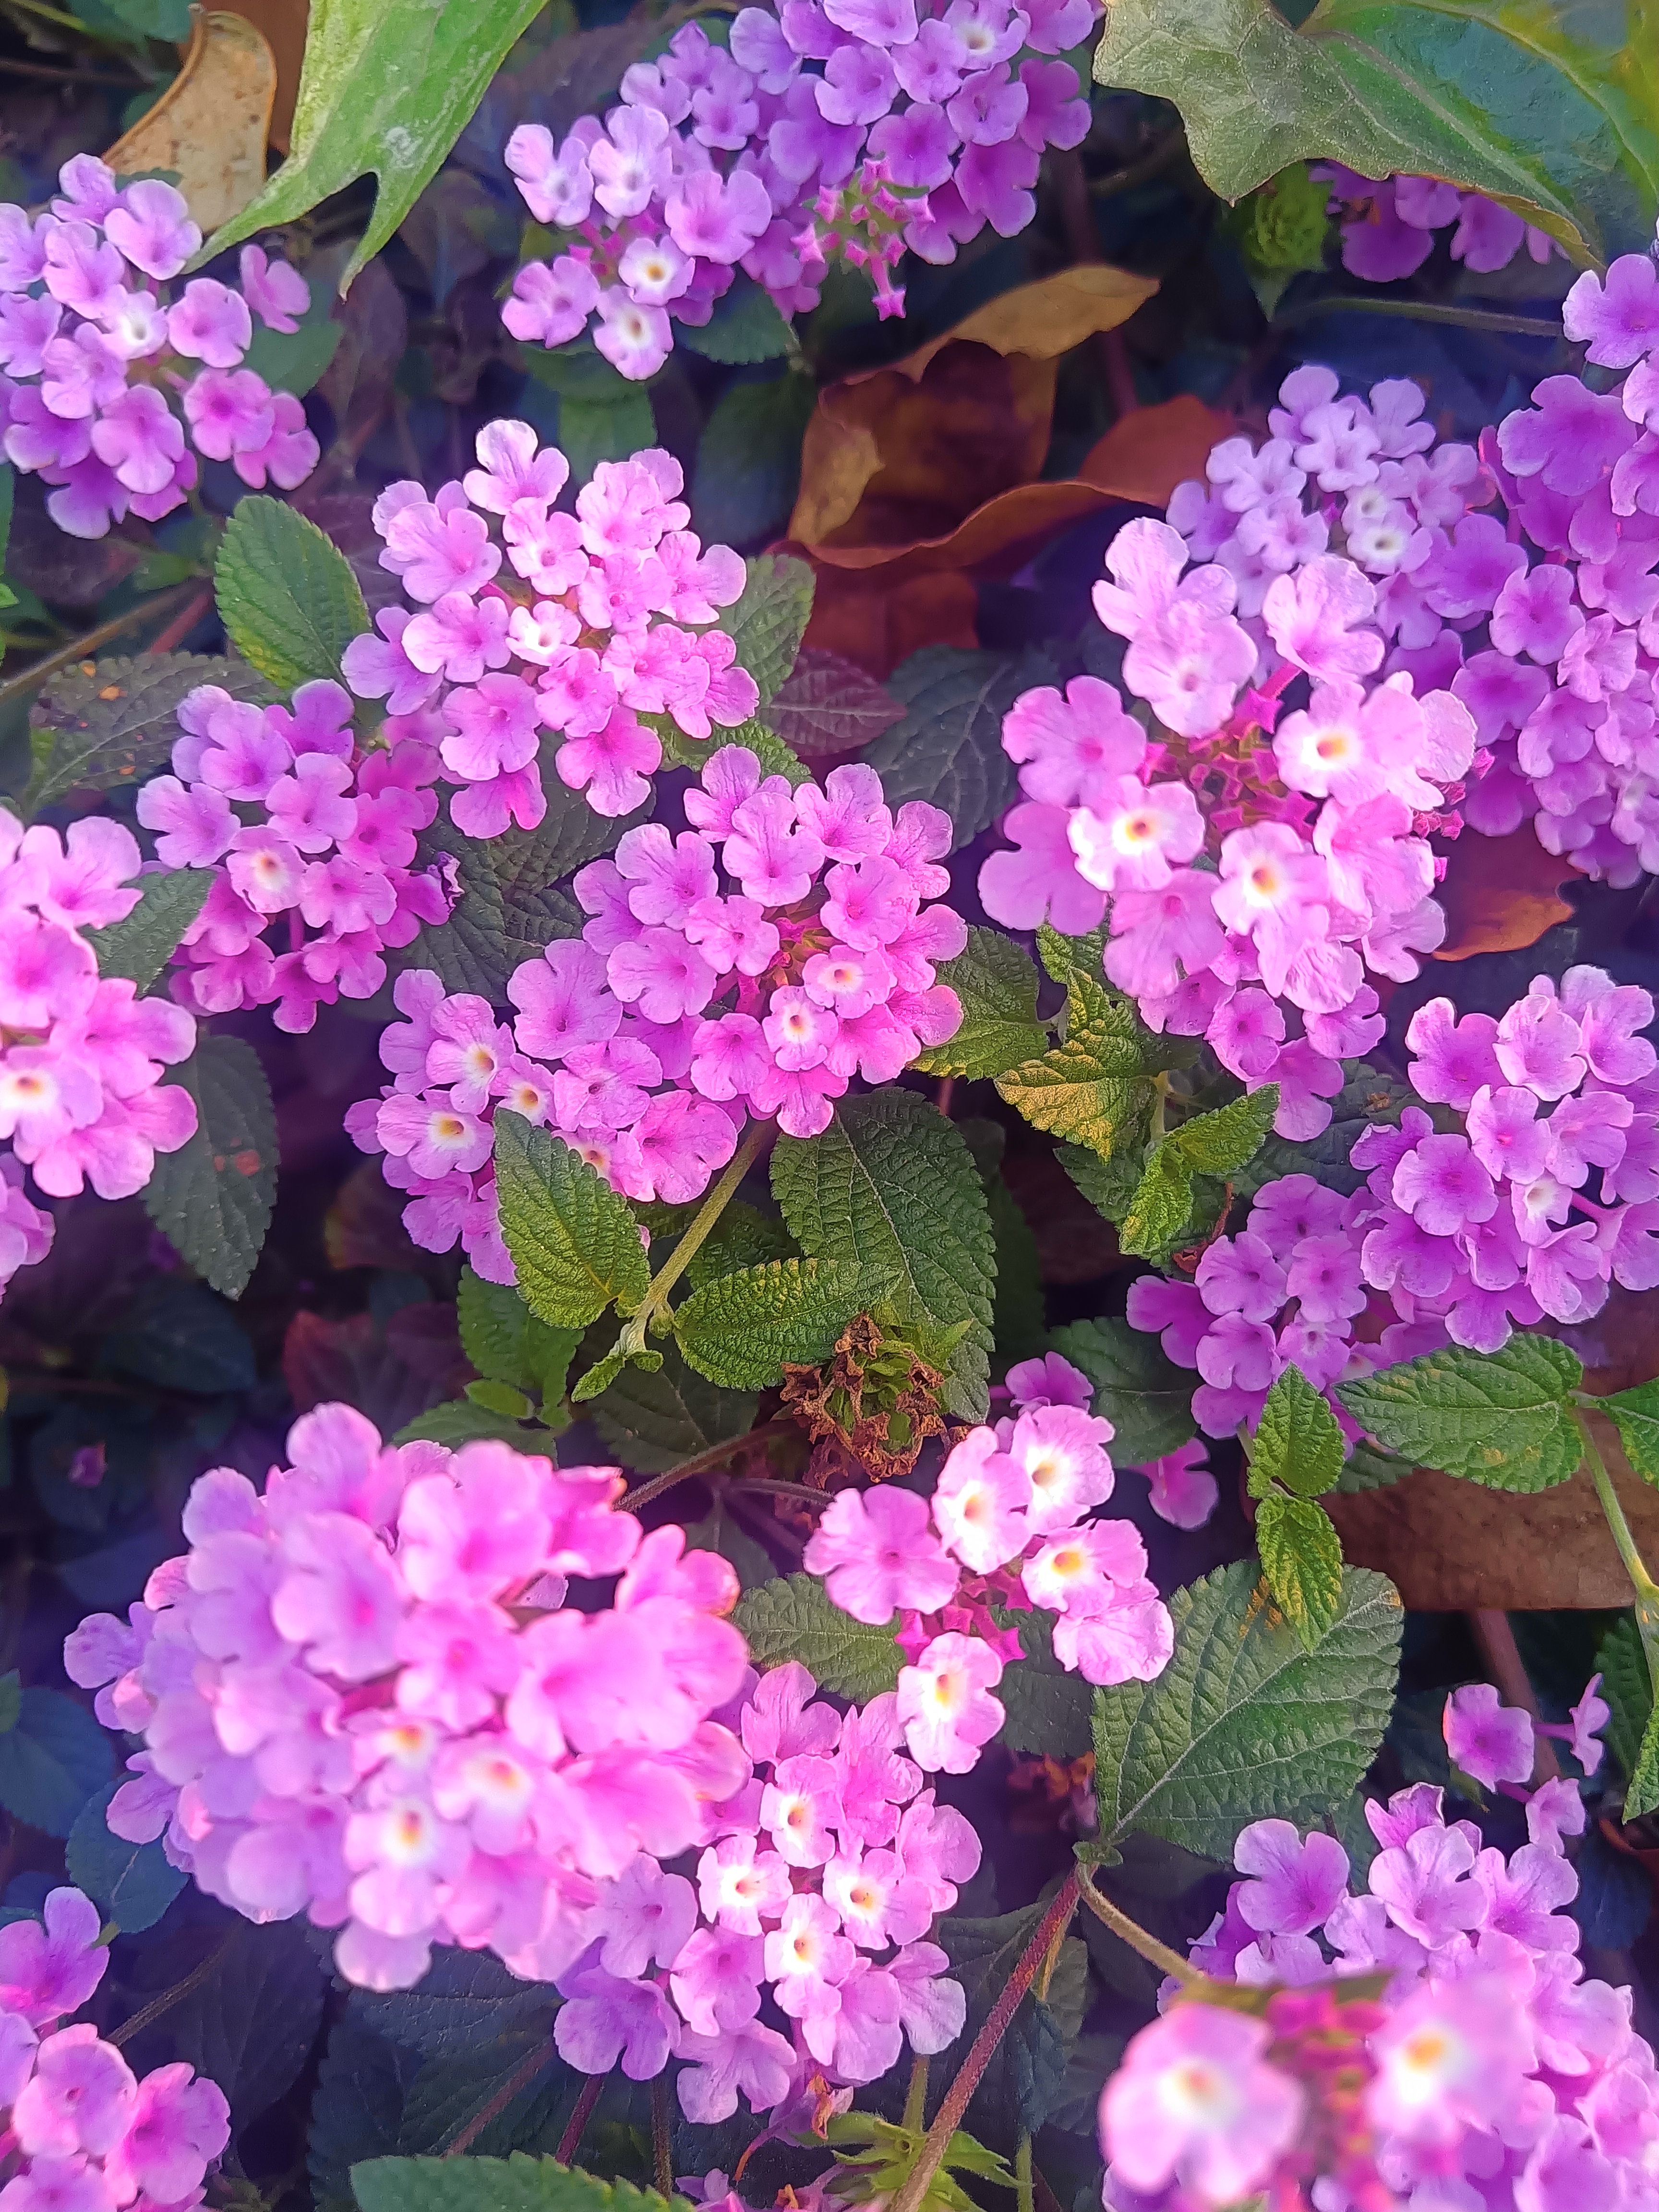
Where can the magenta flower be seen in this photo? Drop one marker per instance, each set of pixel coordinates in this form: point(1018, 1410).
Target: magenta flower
point(1196, 2103)
point(877, 1554)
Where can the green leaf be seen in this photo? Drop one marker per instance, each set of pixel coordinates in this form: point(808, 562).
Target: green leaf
point(131, 1884)
point(1064, 957)
point(654, 1420)
point(1282, 231)
point(51, 1761)
point(1244, 1724)
point(500, 1398)
point(603, 416)
point(1110, 1186)
point(743, 1237)
point(1221, 1143)
point(769, 620)
point(996, 984)
point(1017, 1321)
point(793, 1618)
point(507, 1344)
point(742, 1330)
point(118, 726)
point(1643, 1794)
point(152, 19)
point(180, 1336)
point(212, 1199)
point(891, 1186)
point(463, 1421)
point(518, 2184)
point(249, 2023)
point(948, 748)
point(294, 361)
point(718, 1532)
point(363, 2083)
point(1512, 103)
point(1050, 1712)
point(286, 595)
point(139, 946)
point(12, 1700)
point(1637, 1414)
point(1159, 1209)
point(1138, 1389)
point(1092, 1088)
point(1501, 1418)
point(830, 705)
point(386, 86)
point(748, 466)
point(1302, 1559)
point(575, 1241)
point(1628, 1690)
point(463, 2003)
point(746, 327)
point(1298, 1441)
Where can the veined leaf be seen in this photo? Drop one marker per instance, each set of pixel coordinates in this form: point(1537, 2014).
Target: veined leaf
point(518, 2184)
point(118, 726)
point(575, 1241)
point(1502, 1418)
point(1298, 1441)
point(996, 984)
point(139, 946)
point(768, 623)
point(213, 1197)
point(286, 593)
point(1635, 1412)
point(948, 748)
point(793, 1618)
point(1138, 1387)
point(741, 1330)
point(1091, 1089)
point(1302, 1558)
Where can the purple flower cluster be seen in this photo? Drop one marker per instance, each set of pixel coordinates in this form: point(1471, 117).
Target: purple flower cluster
point(812, 1898)
point(753, 965)
point(94, 358)
point(1492, 2072)
point(1312, 826)
point(1005, 1525)
point(831, 127)
point(612, 621)
point(308, 835)
point(364, 1697)
point(1389, 222)
point(82, 2133)
point(82, 1099)
point(1456, 1237)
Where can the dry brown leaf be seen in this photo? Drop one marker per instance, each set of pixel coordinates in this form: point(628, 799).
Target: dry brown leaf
point(211, 124)
point(284, 23)
point(1048, 319)
point(1501, 893)
point(876, 622)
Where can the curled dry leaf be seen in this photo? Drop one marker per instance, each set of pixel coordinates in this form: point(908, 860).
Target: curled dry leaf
point(284, 23)
point(211, 124)
point(874, 621)
point(1501, 893)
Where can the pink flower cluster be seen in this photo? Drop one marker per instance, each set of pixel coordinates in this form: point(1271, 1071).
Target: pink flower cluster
point(308, 834)
point(849, 127)
point(1312, 826)
point(1388, 226)
point(82, 1099)
point(364, 1697)
point(93, 360)
point(1456, 1237)
point(80, 2132)
point(753, 965)
point(1183, 1491)
point(813, 1896)
point(1005, 1526)
point(611, 620)
point(1492, 2072)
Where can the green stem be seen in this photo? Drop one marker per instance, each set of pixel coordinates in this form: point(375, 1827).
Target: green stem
point(914, 2119)
point(1132, 1933)
point(655, 1300)
point(1422, 310)
point(1646, 1589)
point(937, 2141)
point(81, 648)
point(1026, 2196)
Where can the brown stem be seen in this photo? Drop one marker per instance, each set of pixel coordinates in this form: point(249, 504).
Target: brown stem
point(1498, 1648)
point(183, 623)
point(520, 2078)
point(154, 2010)
point(570, 2141)
point(1111, 354)
point(82, 647)
point(702, 1463)
point(958, 2096)
point(1132, 1933)
point(662, 2155)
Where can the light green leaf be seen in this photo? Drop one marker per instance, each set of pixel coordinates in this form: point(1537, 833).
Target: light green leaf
point(387, 86)
point(1092, 1088)
point(575, 1241)
point(1219, 1144)
point(996, 984)
point(1298, 1441)
point(742, 1330)
point(1544, 109)
point(286, 595)
point(1244, 1724)
point(518, 2184)
point(1163, 1200)
point(769, 622)
point(1302, 1559)
point(1502, 1418)
point(212, 1199)
point(891, 1186)
point(1637, 1414)
point(460, 1421)
point(652, 1418)
point(1138, 1389)
point(793, 1618)
point(948, 749)
point(1643, 1794)
point(139, 946)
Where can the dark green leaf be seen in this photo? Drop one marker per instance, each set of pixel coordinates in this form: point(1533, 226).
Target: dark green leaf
point(652, 1420)
point(462, 2002)
point(509, 908)
point(1501, 1418)
point(461, 1421)
point(748, 466)
point(131, 1884)
point(768, 622)
point(296, 361)
point(1243, 1724)
point(743, 1237)
point(1298, 1441)
point(575, 1243)
point(181, 1336)
point(507, 1343)
point(152, 19)
point(1016, 1320)
point(1302, 1559)
point(1138, 1387)
point(1110, 1186)
point(139, 946)
point(357, 2112)
point(51, 1760)
point(250, 2023)
point(742, 1330)
point(287, 594)
point(996, 984)
point(1627, 1689)
point(793, 1618)
point(718, 1532)
point(744, 328)
point(213, 1197)
point(1049, 1711)
point(118, 726)
point(948, 748)
point(891, 1186)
